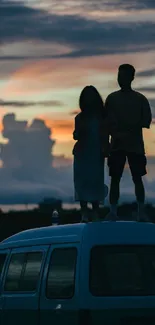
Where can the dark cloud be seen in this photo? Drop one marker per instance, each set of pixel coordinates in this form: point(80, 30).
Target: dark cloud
point(84, 35)
point(146, 73)
point(109, 5)
point(28, 174)
point(151, 100)
point(28, 152)
point(152, 104)
point(115, 5)
point(75, 112)
point(28, 57)
point(128, 4)
point(146, 89)
point(23, 104)
point(135, 4)
point(9, 67)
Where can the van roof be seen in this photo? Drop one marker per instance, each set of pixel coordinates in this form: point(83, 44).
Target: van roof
point(112, 233)
point(72, 232)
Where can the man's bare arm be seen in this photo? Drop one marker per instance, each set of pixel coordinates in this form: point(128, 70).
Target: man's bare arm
point(146, 113)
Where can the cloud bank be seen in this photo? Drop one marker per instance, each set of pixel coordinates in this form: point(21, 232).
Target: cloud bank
point(23, 104)
point(52, 49)
point(29, 174)
point(84, 35)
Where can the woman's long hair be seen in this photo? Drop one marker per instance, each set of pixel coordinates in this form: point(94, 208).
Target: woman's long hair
point(91, 102)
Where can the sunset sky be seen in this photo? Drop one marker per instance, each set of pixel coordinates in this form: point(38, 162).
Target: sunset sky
point(51, 49)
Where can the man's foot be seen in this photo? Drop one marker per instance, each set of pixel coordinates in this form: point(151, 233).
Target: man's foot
point(95, 216)
point(84, 218)
point(142, 218)
point(111, 217)
point(141, 215)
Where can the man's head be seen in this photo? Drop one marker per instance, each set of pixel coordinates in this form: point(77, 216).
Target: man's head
point(126, 74)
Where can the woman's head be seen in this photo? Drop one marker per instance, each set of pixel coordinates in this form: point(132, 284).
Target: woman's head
point(91, 102)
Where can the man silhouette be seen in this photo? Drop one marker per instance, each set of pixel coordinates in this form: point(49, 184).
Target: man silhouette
point(128, 113)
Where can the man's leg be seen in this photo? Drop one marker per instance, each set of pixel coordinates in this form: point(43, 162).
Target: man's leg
point(95, 210)
point(95, 206)
point(114, 194)
point(140, 194)
point(84, 211)
point(116, 163)
point(137, 165)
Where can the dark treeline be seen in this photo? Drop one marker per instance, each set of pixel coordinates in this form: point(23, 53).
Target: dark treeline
point(14, 222)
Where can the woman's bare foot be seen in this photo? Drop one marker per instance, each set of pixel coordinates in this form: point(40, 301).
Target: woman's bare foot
point(84, 218)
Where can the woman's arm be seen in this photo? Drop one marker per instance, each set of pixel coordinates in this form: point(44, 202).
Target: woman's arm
point(105, 138)
point(76, 131)
point(75, 135)
point(79, 128)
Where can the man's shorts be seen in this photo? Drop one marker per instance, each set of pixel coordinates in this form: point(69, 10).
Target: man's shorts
point(117, 160)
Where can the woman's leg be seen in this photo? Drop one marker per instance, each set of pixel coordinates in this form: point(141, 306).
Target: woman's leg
point(83, 205)
point(95, 205)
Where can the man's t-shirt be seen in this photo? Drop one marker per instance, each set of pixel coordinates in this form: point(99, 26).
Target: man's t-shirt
point(128, 113)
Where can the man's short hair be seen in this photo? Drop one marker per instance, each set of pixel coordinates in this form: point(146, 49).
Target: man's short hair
point(128, 68)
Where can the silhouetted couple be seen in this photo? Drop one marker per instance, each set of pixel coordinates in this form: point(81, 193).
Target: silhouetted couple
point(121, 119)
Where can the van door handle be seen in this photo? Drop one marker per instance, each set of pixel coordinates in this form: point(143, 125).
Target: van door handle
point(58, 308)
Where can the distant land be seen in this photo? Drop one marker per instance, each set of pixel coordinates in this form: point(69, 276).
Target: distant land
point(66, 206)
point(23, 207)
point(34, 198)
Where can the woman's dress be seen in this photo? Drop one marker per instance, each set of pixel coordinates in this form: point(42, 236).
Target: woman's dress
point(89, 166)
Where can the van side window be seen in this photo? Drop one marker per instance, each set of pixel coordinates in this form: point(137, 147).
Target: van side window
point(12, 282)
point(61, 274)
point(116, 271)
point(2, 262)
point(23, 272)
point(31, 273)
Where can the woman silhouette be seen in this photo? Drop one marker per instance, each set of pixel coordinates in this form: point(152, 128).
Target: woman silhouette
point(90, 151)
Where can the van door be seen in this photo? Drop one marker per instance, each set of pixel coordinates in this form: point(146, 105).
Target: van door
point(120, 288)
point(59, 302)
point(3, 260)
point(22, 284)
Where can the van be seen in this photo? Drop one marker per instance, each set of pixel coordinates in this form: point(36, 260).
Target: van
point(100, 273)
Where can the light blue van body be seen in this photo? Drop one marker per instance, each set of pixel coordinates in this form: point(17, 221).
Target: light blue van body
point(100, 273)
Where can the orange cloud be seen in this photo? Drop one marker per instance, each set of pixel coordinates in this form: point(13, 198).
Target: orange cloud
point(149, 138)
point(44, 75)
point(74, 112)
point(2, 112)
point(62, 130)
point(61, 161)
point(64, 147)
